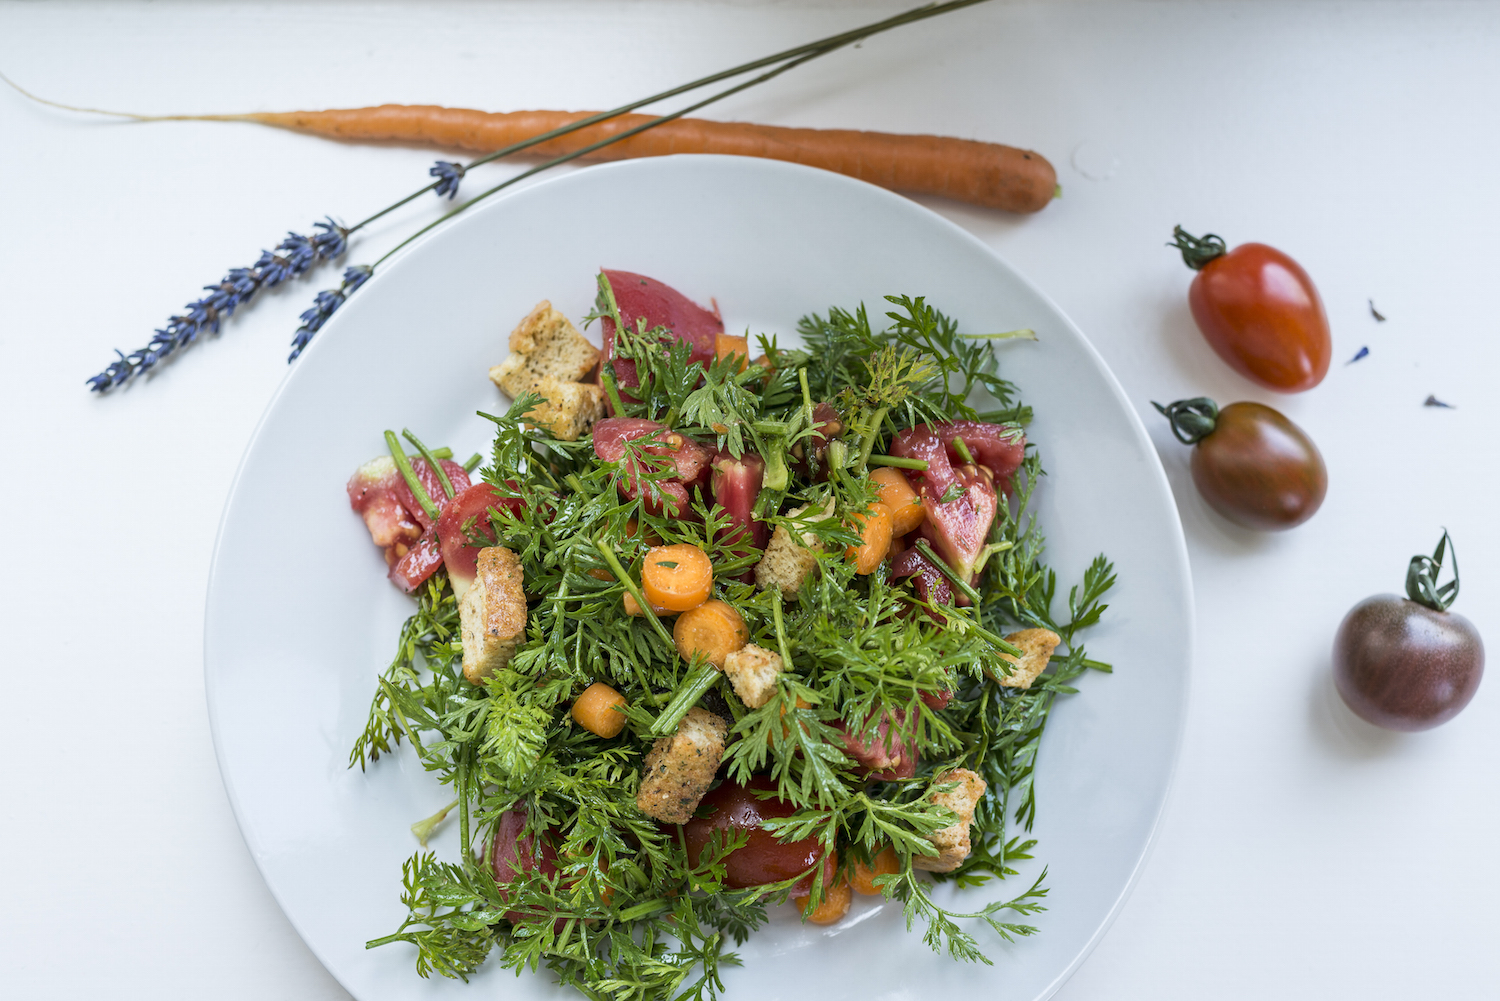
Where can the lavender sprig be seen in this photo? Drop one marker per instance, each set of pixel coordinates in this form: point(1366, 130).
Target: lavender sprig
point(293, 257)
point(448, 175)
point(300, 253)
point(325, 304)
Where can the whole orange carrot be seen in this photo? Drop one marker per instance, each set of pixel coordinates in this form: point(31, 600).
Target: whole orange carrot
point(980, 173)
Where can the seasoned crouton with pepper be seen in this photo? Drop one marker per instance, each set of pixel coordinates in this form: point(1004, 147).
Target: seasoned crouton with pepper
point(548, 356)
point(753, 671)
point(1036, 647)
point(492, 614)
point(544, 345)
point(952, 842)
point(568, 409)
point(680, 768)
point(788, 561)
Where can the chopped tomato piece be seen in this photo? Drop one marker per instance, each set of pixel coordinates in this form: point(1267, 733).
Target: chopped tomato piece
point(515, 854)
point(686, 459)
point(469, 508)
point(372, 495)
point(420, 562)
point(429, 480)
point(736, 485)
point(642, 298)
point(878, 753)
point(732, 808)
point(960, 501)
point(930, 584)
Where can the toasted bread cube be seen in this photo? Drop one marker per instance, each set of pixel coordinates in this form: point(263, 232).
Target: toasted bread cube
point(492, 614)
point(568, 409)
point(1036, 647)
point(753, 670)
point(544, 346)
point(952, 842)
point(680, 768)
point(787, 561)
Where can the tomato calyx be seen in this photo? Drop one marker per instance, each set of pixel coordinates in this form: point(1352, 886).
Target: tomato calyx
point(1422, 577)
point(1191, 420)
point(1198, 251)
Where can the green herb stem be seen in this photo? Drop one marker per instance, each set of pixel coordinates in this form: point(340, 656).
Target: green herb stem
point(703, 677)
point(1024, 334)
point(423, 828)
point(870, 434)
point(473, 462)
point(786, 652)
point(432, 460)
point(404, 464)
point(899, 461)
point(962, 448)
point(601, 543)
point(959, 584)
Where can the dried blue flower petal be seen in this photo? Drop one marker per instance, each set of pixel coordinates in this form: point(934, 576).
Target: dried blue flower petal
point(1357, 357)
point(1433, 401)
point(292, 257)
point(448, 175)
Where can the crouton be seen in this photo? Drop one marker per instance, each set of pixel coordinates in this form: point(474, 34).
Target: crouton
point(544, 346)
point(680, 768)
point(787, 561)
point(568, 409)
point(952, 842)
point(752, 670)
point(1036, 647)
point(492, 614)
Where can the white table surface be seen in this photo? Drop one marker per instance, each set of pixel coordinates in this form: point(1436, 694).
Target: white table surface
point(1304, 854)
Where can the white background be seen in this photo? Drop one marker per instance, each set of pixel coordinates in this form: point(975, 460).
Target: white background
point(1304, 854)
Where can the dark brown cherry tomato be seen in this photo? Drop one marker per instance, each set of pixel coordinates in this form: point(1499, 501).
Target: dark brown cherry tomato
point(1409, 663)
point(1250, 463)
point(1259, 310)
point(763, 859)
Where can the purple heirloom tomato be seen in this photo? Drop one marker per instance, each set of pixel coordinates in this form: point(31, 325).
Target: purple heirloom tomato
point(1409, 663)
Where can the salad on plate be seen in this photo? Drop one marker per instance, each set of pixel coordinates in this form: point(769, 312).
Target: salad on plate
point(715, 630)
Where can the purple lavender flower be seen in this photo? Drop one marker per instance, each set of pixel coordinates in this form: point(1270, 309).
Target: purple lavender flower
point(448, 175)
point(325, 304)
point(292, 257)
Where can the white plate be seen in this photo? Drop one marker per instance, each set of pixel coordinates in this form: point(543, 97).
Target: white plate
point(301, 619)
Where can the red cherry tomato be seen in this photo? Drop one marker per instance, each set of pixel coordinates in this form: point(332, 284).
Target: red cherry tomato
point(762, 860)
point(1259, 310)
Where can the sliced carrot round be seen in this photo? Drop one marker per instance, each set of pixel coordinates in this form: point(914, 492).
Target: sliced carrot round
point(677, 577)
point(896, 493)
point(728, 344)
point(598, 710)
point(882, 863)
point(875, 529)
point(714, 629)
point(833, 906)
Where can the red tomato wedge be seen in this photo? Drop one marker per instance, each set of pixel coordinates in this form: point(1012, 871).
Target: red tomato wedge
point(430, 483)
point(688, 460)
point(763, 859)
point(879, 753)
point(515, 854)
point(959, 526)
point(930, 584)
point(372, 495)
point(642, 298)
point(468, 508)
point(397, 523)
point(420, 562)
point(736, 485)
